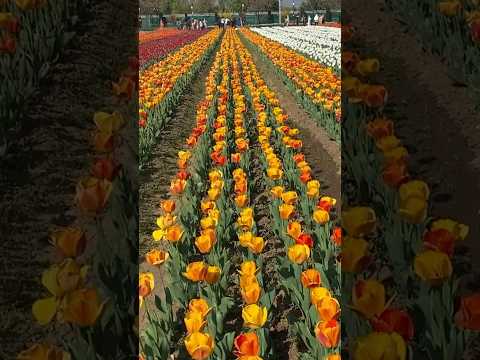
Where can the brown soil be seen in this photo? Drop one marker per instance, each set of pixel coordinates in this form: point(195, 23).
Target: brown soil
point(39, 173)
point(322, 153)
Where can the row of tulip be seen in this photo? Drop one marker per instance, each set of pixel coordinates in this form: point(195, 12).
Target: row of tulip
point(32, 34)
point(316, 87)
point(320, 43)
point(154, 50)
point(89, 256)
point(318, 327)
point(201, 172)
point(160, 33)
point(450, 28)
point(388, 221)
point(161, 85)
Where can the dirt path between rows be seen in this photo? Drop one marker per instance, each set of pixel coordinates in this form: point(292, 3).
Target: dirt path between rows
point(322, 153)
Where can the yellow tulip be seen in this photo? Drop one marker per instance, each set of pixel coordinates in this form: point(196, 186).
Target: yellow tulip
point(254, 316)
point(274, 173)
point(212, 275)
point(353, 255)
point(415, 188)
point(215, 175)
point(313, 188)
point(298, 253)
point(387, 143)
point(213, 194)
point(256, 245)
point(199, 305)
point(367, 66)
point(413, 210)
point(164, 222)
point(433, 267)
point(317, 294)
point(359, 221)
point(217, 184)
point(248, 267)
point(245, 238)
point(294, 229)
point(277, 191)
point(369, 298)
point(380, 346)
point(196, 271)
point(194, 321)
point(208, 223)
point(289, 197)
point(321, 216)
point(108, 123)
point(199, 345)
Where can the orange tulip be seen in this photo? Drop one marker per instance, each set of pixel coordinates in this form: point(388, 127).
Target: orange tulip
point(174, 233)
point(70, 241)
point(294, 229)
point(328, 308)
point(251, 293)
point(246, 345)
point(92, 194)
point(156, 257)
point(286, 211)
point(311, 278)
point(468, 313)
point(328, 333)
point(196, 271)
point(168, 206)
point(212, 275)
point(199, 305)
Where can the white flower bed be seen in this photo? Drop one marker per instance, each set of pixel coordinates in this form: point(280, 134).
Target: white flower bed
point(320, 43)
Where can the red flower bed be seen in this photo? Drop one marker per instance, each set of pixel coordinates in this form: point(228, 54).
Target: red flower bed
point(159, 48)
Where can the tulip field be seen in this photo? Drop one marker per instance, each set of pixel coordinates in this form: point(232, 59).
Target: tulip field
point(245, 232)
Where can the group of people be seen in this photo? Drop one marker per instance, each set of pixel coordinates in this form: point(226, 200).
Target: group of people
point(225, 22)
point(306, 20)
point(191, 24)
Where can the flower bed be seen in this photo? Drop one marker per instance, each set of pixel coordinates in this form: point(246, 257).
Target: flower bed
point(316, 87)
point(161, 85)
point(153, 50)
point(211, 229)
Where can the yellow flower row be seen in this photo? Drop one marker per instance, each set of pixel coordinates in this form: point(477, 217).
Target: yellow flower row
point(328, 330)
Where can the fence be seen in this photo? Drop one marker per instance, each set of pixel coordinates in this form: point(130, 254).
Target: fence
point(151, 22)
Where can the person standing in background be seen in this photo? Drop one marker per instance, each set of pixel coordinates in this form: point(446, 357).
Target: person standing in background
point(287, 20)
point(309, 20)
point(315, 19)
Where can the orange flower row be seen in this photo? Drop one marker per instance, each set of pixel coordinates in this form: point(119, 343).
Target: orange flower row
point(158, 80)
point(317, 81)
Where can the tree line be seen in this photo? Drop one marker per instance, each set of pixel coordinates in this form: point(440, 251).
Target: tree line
point(210, 6)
